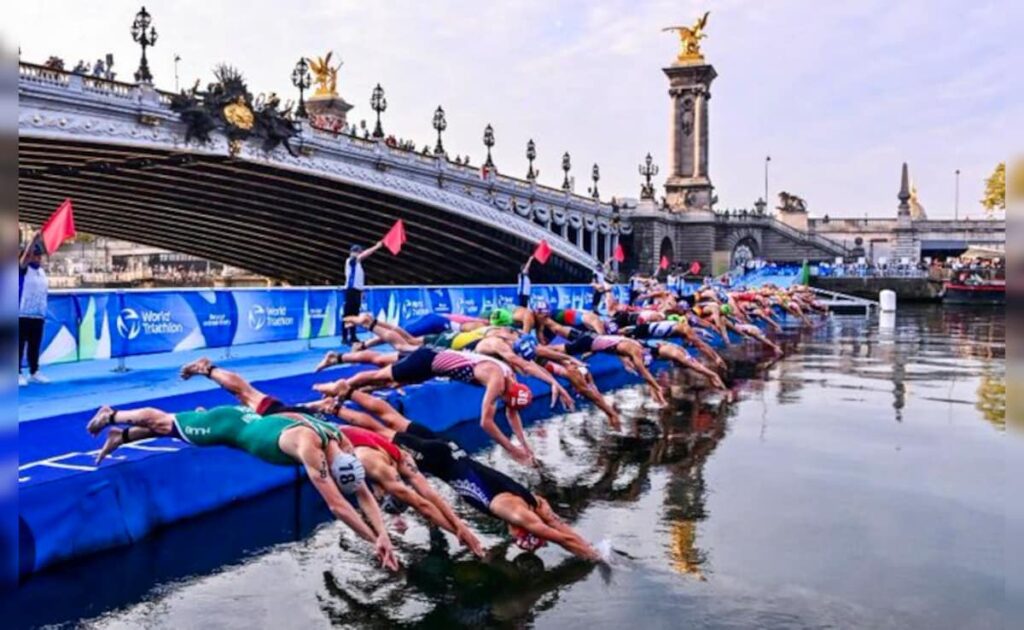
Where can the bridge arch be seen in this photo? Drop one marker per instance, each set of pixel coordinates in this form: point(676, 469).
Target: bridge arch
point(667, 251)
point(745, 250)
point(121, 154)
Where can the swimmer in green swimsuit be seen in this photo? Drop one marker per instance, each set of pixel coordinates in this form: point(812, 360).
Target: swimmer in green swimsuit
point(283, 439)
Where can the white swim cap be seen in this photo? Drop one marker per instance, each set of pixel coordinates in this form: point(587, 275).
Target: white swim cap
point(348, 472)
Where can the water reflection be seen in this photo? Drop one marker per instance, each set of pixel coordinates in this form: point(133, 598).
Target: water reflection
point(793, 501)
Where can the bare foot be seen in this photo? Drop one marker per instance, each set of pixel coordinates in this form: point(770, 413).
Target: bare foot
point(115, 438)
point(327, 389)
point(331, 358)
point(199, 367)
point(100, 421)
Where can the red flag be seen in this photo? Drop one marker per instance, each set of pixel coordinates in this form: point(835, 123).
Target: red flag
point(664, 263)
point(695, 268)
point(395, 237)
point(59, 227)
point(542, 253)
point(620, 254)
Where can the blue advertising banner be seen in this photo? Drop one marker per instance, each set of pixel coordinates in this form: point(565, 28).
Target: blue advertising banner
point(161, 322)
point(111, 324)
point(319, 318)
point(60, 333)
point(268, 315)
point(98, 311)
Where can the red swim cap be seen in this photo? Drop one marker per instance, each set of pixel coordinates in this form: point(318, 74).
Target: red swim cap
point(518, 396)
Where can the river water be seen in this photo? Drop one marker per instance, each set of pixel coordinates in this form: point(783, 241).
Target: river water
point(858, 482)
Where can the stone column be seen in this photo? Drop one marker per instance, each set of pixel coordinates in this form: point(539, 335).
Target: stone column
point(906, 245)
point(688, 187)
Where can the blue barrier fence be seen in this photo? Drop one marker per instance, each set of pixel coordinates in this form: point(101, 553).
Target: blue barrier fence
point(89, 325)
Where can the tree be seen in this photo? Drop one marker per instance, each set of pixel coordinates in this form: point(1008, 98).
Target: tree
point(995, 190)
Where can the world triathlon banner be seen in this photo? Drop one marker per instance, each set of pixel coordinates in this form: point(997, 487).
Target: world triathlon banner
point(89, 325)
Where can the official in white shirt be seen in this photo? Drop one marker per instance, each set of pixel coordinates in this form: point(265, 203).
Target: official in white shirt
point(33, 289)
point(355, 283)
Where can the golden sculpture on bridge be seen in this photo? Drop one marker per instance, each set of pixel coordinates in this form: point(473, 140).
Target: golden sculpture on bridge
point(689, 39)
point(325, 76)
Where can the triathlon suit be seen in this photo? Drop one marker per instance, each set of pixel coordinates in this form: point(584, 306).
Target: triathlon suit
point(467, 340)
point(624, 319)
point(429, 324)
point(646, 316)
point(459, 366)
point(656, 330)
point(242, 428)
point(476, 483)
point(361, 437)
point(568, 317)
point(582, 343)
point(442, 341)
point(426, 363)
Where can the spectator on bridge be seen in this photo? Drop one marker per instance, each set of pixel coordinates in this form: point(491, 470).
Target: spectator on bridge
point(523, 284)
point(355, 283)
point(32, 293)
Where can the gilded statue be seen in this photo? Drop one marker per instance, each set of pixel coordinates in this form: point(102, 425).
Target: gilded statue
point(689, 39)
point(239, 114)
point(325, 76)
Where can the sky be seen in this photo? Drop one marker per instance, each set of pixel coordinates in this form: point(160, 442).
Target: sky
point(839, 94)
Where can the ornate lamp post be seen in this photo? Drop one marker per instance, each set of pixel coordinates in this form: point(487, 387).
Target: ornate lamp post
point(440, 124)
point(489, 142)
point(378, 104)
point(531, 155)
point(595, 174)
point(302, 79)
point(647, 170)
point(566, 165)
point(144, 35)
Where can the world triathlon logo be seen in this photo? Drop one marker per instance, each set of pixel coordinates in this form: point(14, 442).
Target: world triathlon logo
point(257, 317)
point(129, 324)
point(269, 317)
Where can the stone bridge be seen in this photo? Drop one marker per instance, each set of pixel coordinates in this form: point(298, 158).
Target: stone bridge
point(120, 153)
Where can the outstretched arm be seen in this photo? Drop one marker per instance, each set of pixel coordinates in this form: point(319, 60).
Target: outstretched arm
point(313, 459)
point(366, 253)
point(407, 468)
point(523, 366)
point(487, 412)
point(27, 252)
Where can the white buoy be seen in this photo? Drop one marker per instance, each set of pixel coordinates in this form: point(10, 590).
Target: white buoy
point(887, 301)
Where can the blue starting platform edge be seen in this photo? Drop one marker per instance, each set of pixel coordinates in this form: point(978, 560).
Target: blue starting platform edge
point(69, 508)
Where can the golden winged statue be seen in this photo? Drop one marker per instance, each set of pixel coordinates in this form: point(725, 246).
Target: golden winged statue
point(689, 39)
point(325, 76)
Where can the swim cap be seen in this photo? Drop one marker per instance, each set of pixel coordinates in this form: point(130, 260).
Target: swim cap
point(526, 347)
point(518, 396)
point(501, 317)
point(726, 309)
point(391, 505)
point(348, 472)
point(525, 540)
